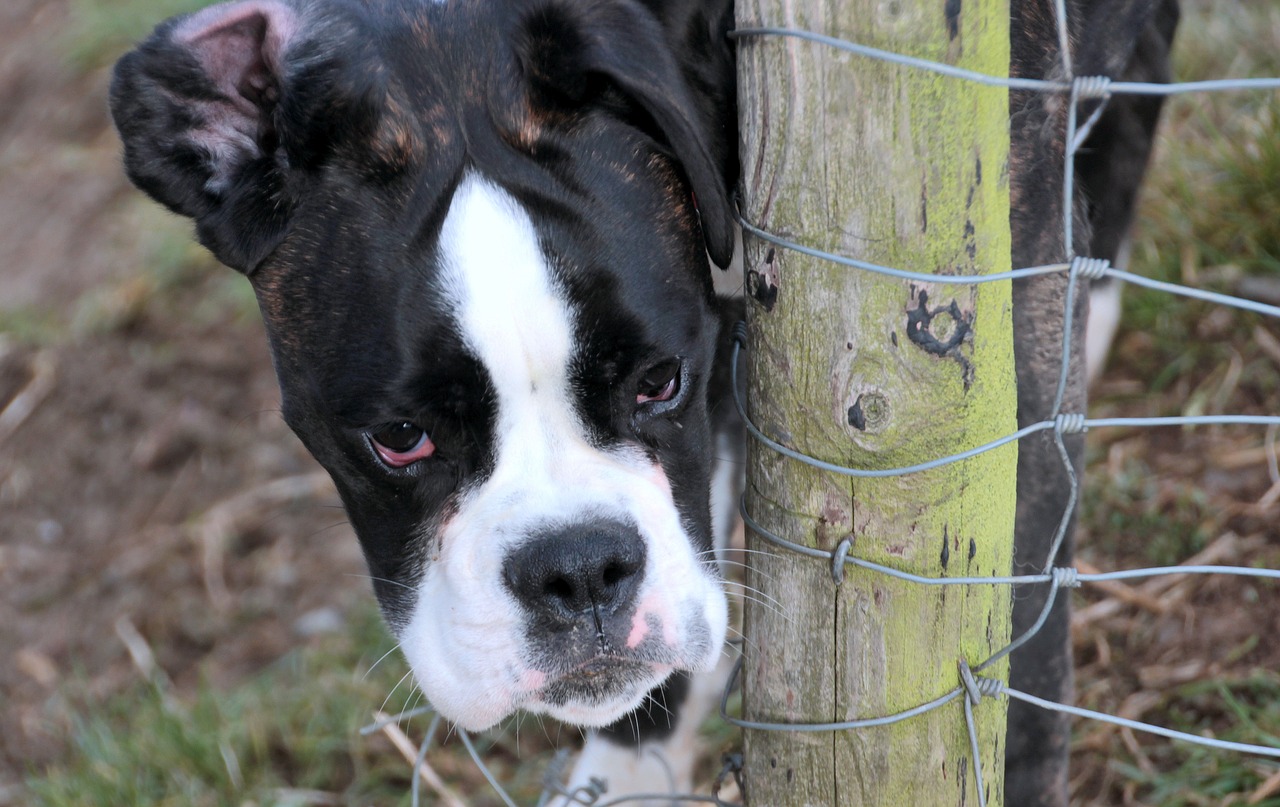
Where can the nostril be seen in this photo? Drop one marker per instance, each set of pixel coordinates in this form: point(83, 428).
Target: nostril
point(615, 573)
point(559, 588)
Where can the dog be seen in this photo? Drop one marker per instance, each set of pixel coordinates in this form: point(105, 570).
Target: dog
point(479, 236)
point(479, 232)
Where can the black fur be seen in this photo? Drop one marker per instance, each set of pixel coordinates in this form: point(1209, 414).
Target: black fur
point(1118, 39)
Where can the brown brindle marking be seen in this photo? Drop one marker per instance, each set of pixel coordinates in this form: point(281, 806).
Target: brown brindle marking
point(397, 142)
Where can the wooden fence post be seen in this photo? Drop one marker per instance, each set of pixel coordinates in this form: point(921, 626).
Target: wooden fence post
point(909, 169)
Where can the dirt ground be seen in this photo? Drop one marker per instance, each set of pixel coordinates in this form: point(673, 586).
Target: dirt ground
point(152, 500)
point(144, 469)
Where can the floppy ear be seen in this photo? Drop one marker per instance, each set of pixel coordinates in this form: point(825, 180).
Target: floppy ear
point(568, 46)
point(225, 112)
point(196, 108)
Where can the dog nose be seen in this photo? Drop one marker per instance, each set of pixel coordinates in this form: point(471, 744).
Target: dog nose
point(566, 573)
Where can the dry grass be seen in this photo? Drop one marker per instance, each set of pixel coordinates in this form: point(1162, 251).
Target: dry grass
point(1198, 654)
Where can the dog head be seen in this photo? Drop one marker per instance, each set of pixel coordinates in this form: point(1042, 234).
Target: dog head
point(473, 235)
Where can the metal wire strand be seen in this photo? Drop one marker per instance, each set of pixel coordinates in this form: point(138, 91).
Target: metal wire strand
point(1035, 85)
point(971, 689)
point(1090, 268)
point(1061, 423)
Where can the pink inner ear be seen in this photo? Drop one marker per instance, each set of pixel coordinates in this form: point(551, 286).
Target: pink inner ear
point(240, 45)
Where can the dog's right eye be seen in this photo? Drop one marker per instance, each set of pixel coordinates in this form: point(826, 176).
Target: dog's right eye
point(660, 384)
point(401, 444)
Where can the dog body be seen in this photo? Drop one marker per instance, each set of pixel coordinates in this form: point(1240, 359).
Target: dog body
point(478, 233)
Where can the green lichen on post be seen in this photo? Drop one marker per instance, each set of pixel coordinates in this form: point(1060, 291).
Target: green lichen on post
point(908, 169)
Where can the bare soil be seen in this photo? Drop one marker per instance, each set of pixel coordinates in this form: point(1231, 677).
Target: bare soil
point(151, 489)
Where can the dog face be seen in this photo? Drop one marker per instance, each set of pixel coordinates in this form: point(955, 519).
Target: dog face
point(473, 237)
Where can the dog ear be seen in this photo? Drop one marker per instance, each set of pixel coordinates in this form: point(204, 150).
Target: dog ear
point(196, 108)
point(567, 48)
point(223, 112)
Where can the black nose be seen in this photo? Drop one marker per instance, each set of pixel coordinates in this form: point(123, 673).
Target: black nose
point(565, 573)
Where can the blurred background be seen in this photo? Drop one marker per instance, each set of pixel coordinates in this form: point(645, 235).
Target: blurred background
point(184, 616)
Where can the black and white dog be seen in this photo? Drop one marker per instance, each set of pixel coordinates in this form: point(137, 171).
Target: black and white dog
point(478, 232)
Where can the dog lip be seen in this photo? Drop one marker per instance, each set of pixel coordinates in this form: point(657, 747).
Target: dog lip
point(612, 659)
point(600, 681)
point(605, 665)
point(605, 669)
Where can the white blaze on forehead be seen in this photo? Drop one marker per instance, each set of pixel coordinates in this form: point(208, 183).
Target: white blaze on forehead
point(510, 312)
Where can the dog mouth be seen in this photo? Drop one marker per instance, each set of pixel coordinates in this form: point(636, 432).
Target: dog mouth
point(597, 680)
point(603, 678)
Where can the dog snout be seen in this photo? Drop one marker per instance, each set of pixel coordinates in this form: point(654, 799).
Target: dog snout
point(586, 570)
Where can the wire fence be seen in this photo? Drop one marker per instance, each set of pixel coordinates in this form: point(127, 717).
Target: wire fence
point(971, 687)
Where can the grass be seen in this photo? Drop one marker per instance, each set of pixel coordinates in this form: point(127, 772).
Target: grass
point(1211, 212)
point(287, 736)
point(1178, 775)
point(101, 30)
point(1211, 219)
point(1133, 509)
point(31, 325)
point(173, 273)
point(290, 731)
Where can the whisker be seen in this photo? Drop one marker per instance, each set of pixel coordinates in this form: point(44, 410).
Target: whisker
point(381, 658)
point(761, 599)
point(723, 555)
point(418, 696)
point(769, 607)
point(744, 550)
point(742, 637)
point(385, 700)
point(670, 715)
point(377, 579)
point(748, 567)
point(546, 729)
point(546, 735)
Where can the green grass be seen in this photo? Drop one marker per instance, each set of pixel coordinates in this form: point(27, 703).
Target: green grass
point(1210, 216)
point(31, 325)
point(101, 30)
point(173, 273)
point(292, 728)
point(1211, 209)
point(1182, 775)
point(1126, 512)
point(287, 736)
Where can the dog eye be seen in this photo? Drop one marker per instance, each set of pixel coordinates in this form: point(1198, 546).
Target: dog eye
point(660, 383)
point(401, 444)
